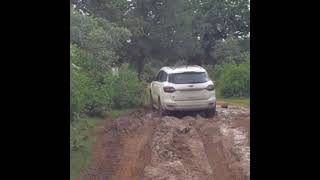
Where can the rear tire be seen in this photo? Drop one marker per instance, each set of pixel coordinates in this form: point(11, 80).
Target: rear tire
point(211, 112)
point(162, 112)
point(151, 102)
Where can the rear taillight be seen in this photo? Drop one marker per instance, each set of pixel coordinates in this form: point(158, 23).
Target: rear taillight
point(169, 89)
point(210, 88)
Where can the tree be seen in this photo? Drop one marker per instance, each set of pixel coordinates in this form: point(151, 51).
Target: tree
point(218, 19)
point(228, 51)
point(98, 40)
point(175, 30)
point(94, 45)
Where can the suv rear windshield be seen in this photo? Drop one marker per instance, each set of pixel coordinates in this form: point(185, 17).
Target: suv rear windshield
point(188, 78)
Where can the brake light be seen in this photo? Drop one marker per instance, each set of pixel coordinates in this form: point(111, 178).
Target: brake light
point(169, 89)
point(210, 87)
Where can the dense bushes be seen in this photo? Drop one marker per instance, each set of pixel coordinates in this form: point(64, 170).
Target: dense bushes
point(235, 81)
point(151, 69)
point(79, 85)
point(232, 80)
point(117, 90)
point(97, 83)
point(232, 68)
point(128, 89)
point(95, 87)
point(78, 133)
point(229, 51)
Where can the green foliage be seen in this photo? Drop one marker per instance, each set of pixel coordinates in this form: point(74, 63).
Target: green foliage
point(148, 74)
point(176, 30)
point(87, 96)
point(119, 112)
point(98, 40)
point(151, 69)
point(79, 85)
point(79, 132)
point(76, 138)
point(81, 144)
point(128, 88)
point(235, 101)
point(95, 43)
point(228, 51)
point(120, 89)
point(232, 80)
point(99, 103)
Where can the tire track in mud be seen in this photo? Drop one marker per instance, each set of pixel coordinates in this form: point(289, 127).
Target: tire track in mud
point(123, 148)
point(135, 157)
point(177, 152)
point(219, 157)
point(234, 125)
point(142, 146)
point(106, 153)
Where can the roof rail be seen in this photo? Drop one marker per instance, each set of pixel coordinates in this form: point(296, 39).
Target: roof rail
point(186, 66)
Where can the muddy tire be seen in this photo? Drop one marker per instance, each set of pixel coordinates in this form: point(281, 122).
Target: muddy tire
point(151, 103)
point(210, 112)
point(161, 111)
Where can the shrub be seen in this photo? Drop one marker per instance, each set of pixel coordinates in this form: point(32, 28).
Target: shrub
point(228, 51)
point(232, 80)
point(78, 134)
point(148, 74)
point(128, 89)
point(99, 103)
point(78, 93)
point(235, 82)
point(79, 86)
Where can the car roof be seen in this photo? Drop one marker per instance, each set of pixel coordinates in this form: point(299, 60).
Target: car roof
point(181, 69)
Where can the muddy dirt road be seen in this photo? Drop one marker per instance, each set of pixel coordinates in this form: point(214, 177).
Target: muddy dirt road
point(143, 146)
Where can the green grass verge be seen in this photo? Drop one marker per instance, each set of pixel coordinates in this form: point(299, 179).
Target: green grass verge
point(235, 101)
point(118, 113)
point(232, 101)
point(81, 137)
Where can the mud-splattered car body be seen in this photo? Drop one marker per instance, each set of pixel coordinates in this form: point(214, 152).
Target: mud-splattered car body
point(183, 88)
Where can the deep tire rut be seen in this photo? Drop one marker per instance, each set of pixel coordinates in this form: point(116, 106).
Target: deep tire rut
point(142, 146)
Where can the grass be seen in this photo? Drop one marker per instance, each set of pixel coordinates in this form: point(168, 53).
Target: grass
point(118, 113)
point(80, 159)
point(234, 101)
point(81, 132)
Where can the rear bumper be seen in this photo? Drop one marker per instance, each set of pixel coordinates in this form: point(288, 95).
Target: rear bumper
point(189, 105)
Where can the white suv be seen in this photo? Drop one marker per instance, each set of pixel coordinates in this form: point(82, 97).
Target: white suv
point(183, 88)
